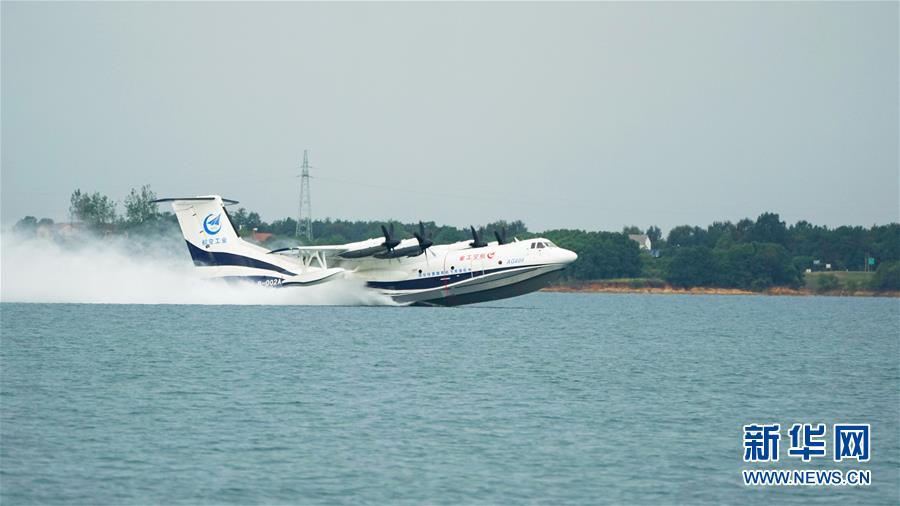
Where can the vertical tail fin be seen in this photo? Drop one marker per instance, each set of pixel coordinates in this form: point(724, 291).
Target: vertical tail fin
point(214, 242)
point(204, 221)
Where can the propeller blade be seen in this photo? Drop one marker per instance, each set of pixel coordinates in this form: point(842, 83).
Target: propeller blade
point(476, 242)
point(501, 236)
point(389, 241)
point(425, 242)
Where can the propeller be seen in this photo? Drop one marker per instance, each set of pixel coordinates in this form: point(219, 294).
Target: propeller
point(477, 242)
point(389, 241)
point(501, 236)
point(425, 242)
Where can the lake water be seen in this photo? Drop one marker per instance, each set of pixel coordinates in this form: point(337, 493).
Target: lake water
point(551, 398)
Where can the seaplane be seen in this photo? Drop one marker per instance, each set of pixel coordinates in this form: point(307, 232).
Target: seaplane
point(411, 271)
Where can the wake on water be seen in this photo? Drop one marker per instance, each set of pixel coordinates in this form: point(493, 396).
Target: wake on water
point(114, 270)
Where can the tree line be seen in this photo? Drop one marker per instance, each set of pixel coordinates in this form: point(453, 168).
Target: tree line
point(98, 213)
point(750, 254)
point(759, 254)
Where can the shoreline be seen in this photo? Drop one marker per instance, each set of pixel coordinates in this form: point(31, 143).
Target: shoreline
point(614, 287)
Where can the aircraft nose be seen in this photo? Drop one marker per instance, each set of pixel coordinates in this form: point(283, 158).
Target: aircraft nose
point(569, 256)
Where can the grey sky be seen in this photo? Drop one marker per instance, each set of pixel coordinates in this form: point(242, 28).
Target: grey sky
point(588, 115)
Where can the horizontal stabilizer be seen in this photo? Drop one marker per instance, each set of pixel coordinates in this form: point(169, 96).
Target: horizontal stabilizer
point(309, 248)
point(193, 199)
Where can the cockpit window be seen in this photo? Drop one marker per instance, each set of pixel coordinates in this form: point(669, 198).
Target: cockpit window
point(550, 244)
point(540, 245)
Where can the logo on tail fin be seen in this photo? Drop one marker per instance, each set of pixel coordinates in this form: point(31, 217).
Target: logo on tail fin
point(211, 225)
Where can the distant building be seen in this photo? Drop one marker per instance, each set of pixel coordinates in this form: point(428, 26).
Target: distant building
point(642, 240)
point(261, 237)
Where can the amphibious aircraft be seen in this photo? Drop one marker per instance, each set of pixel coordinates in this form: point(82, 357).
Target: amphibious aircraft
point(412, 271)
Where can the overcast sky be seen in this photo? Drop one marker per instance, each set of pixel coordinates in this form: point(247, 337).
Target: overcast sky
point(578, 115)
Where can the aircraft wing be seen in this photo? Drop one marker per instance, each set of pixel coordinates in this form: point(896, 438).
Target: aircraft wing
point(336, 249)
point(368, 248)
point(350, 250)
point(389, 247)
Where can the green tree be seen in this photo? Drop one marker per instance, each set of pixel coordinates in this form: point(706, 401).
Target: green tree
point(884, 242)
point(26, 226)
point(139, 207)
point(253, 221)
point(692, 266)
point(743, 230)
point(285, 227)
point(769, 228)
point(756, 266)
point(653, 267)
point(686, 236)
point(513, 229)
point(601, 255)
point(93, 209)
point(801, 263)
point(887, 277)
point(239, 219)
point(720, 233)
point(448, 235)
point(655, 235)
